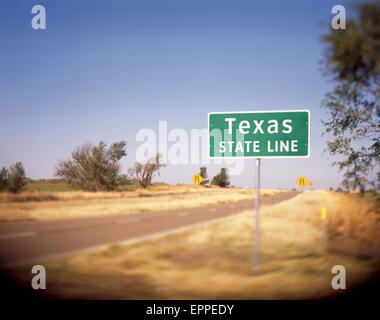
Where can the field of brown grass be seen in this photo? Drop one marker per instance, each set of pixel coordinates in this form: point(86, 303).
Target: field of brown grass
point(81, 204)
point(33, 196)
point(214, 261)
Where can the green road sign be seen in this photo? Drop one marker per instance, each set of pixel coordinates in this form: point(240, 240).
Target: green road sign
point(259, 134)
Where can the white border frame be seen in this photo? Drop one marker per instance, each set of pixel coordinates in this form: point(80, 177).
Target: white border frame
point(258, 157)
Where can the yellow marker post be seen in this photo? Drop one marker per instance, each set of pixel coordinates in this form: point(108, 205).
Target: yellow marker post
point(311, 183)
point(323, 226)
point(323, 213)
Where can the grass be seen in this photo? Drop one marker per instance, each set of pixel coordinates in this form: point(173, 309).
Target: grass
point(59, 185)
point(126, 192)
point(48, 185)
point(80, 204)
point(214, 261)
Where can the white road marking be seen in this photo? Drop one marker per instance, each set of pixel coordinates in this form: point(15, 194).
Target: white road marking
point(17, 235)
point(232, 206)
point(182, 214)
point(212, 209)
point(131, 220)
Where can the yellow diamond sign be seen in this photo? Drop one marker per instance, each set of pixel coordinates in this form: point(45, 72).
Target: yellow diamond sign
point(197, 178)
point(302, 181)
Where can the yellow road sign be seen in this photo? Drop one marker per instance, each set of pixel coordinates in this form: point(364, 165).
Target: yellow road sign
point(197, 178)
point(302, 181)
point(323, 213)
point(311, 183)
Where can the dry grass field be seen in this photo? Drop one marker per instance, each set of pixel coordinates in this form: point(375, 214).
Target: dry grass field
point(214, 261)
point(80, 204)
point(51, 195)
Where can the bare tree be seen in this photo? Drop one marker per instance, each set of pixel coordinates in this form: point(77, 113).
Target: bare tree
point(144, 172)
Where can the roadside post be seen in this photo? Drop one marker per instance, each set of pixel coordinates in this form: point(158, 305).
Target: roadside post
point(323, 227)
point(259, 134)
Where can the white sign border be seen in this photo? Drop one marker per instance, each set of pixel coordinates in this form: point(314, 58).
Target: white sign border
point(260, 157)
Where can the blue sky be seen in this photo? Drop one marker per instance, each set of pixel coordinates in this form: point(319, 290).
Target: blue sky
point(103, 70)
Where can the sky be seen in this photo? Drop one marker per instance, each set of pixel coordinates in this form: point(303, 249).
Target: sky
point(104, 70)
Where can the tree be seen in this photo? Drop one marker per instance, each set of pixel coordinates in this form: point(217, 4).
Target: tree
point(123, 180)
point(3, 179)
point(353, 61)
point(143, 172)
point(16, 178)
point(203, 174)
point(93, 168)
point(221, 179)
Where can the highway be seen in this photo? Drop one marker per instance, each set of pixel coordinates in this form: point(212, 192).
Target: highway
point(33, 242)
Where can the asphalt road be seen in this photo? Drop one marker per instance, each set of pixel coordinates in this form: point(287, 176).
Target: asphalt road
point(36, 241)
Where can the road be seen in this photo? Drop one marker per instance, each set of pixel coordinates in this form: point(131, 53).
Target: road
point(36, 241)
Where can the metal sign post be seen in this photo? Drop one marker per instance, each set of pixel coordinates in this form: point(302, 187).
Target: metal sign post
point(256, 235)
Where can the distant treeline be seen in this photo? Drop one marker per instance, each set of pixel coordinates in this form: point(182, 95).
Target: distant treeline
point(96, 168)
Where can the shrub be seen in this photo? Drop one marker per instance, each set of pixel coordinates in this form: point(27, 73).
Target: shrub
point(93, 168)
point(203, 174)
point(3, 179)
point(16, 178)
point(221, 179)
